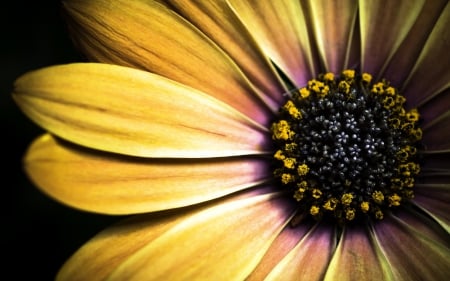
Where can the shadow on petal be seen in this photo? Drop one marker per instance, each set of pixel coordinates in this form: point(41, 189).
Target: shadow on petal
point(410, 254)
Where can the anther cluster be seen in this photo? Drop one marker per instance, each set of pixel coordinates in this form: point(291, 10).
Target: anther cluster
point(347, 148)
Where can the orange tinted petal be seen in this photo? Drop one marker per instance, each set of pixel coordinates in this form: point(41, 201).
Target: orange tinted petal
point(309, 258)
point(333, 24)
point(384, 25)
point(280, 29)
point(431, 73)
point(219, 23)
point(406, 54)
point(108, 183)
point(357, 258)
point(223, 241)
point(148, 35)
point(133, 112)
point(410, 254)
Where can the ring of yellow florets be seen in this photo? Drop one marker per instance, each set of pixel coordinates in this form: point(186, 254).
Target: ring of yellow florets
point(346, 147)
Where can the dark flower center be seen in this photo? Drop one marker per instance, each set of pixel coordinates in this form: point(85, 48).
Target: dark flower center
point(347, 148)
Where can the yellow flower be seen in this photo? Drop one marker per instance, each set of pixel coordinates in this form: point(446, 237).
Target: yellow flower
point(171, 121)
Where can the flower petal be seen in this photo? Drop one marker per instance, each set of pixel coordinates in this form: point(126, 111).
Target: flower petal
point(432, 64)
point(220, 242)
point(101, 255)
point(281, 246)
point(219, 23)
point(309, 258)
point(384, 25)
point(333, 23)
point(108, 183)
point(434, 107)
point(411, 255)
point(280, 29)
point(148, 35)
point(357, 258)
point(434, 199)
point(424, 224)
point(408, 51)
point(435, 160)
point(133, 112)
point(436, 133)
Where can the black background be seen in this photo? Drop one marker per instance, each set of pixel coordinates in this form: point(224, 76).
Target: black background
point(37, 233)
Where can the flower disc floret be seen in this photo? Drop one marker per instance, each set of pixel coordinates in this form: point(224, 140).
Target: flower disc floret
point(347, 148)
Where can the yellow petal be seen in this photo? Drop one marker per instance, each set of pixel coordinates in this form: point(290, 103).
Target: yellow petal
point(108, 183)
point(357, 258)
point(101, 255)
point(219, 23)
point(281, 246)
point(148, 35)
point(221, 242)
point(384, 25)
point(406, 54)
point(280, 29)
point(309, 258)
point(430, 75)
point(434, 199)
point(410, 254)
point(133, 112)
point(333, 24)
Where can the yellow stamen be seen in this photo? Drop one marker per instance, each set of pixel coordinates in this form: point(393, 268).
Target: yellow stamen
point(378, 88)
point(300, 192)
point(331, 204)
point(408, 182)
point(379, 215)
point(366, 77)
point(279, 155)
point(346, 199)
point(416, 134)
point(350, 213)
point(323, 91)
point(303, 184)
point(290, 147)
point(394, 200)
point(298, 195)
point(344, 87)
point(328, 76)
point(282, 130)
point(388, 102)
point(390, 91)
point(292, 110)
point(400, 100)
point(408, 194)
point(302, 169)
point(378, 197)
point(349, 74)
point(365, 206)
point(304, 93)
point(315, 210)
point(287, 178)
point(314, 85)
point(316, 193)
point(289, 162)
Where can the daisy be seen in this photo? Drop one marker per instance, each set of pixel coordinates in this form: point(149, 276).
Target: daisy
point(252, 140)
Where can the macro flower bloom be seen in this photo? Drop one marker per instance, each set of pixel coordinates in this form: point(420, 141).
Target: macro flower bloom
point(253, 140)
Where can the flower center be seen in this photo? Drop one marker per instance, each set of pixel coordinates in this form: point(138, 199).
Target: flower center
point(347, 148)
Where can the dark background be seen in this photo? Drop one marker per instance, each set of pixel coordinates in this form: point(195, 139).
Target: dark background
point(37, 233)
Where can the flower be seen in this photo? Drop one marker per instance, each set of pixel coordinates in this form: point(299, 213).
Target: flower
point(187, 105)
